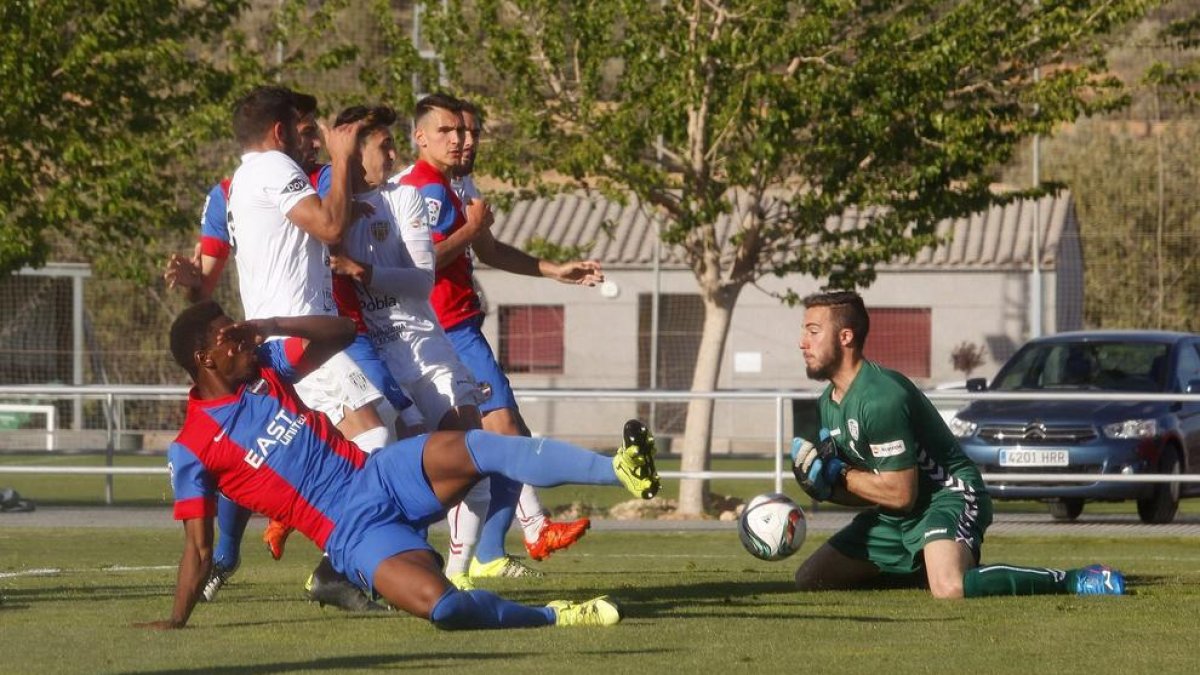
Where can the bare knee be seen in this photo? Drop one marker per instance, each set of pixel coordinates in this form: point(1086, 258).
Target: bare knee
point(946, 589)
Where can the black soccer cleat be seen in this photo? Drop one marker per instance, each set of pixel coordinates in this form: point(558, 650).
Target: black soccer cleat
point(634, 461)
point(326, 586)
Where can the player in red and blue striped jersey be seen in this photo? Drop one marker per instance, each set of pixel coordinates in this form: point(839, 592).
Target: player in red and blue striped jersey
point(249, 436)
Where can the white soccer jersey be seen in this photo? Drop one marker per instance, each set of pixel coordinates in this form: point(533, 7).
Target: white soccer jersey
point(395, 240)
point(282, 270)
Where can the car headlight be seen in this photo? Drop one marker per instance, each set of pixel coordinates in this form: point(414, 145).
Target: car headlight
point(962, 428)
point(1131, 429)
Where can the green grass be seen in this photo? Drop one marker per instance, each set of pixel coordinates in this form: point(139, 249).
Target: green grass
point(696, 603)
point(155, 490)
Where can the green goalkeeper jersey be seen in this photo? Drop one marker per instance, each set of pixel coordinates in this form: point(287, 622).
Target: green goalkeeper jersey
point(884, 423)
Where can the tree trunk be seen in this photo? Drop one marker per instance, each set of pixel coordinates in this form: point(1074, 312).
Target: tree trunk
point(697, 435)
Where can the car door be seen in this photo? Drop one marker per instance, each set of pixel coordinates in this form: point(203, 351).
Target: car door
point(1187, 369)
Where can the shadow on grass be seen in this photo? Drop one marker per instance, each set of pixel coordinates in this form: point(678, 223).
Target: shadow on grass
point(339, 663)
point(737, 600)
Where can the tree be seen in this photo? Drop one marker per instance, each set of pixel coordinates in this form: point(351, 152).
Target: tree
point(783, 115)
point(102, 106)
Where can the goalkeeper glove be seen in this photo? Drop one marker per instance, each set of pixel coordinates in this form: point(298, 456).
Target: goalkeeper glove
point(817, 468)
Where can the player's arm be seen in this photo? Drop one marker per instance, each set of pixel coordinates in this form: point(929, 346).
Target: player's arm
point(479, 218)
point(318, 338)
point(194, 568)
point(327, 218)
point(198, 276)
point(402, 281)
point(502, 256)
point(893, 490)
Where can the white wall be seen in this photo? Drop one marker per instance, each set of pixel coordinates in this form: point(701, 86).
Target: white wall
point(601, 338)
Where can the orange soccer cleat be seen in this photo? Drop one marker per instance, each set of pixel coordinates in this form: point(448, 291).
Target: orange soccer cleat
point(275, 536)
point(557, 536)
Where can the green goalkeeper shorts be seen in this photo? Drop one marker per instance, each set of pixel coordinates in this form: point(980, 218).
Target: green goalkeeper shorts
point(894, 543)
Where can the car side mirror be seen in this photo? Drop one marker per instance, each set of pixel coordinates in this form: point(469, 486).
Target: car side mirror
point(980, 384)
point(1193, 387)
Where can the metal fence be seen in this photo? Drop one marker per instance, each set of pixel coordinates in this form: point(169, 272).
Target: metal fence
point(112, 398)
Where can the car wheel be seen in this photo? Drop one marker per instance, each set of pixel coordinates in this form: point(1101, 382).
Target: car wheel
point(1066, 509)
point(1160, 507)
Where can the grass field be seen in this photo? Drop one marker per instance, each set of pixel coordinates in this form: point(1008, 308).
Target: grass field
point(695, 603)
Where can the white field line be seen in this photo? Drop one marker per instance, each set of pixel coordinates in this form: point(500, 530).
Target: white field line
point(53, 571)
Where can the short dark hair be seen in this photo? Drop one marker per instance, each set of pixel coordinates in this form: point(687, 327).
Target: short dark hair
point(306, 104)
point(189, 333)
point(260, 109)
point(848, 311)
point(373, 118)
point(437, 100)
point(471, 107)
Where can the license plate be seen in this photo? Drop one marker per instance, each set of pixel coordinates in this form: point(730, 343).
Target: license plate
point(1025, 457)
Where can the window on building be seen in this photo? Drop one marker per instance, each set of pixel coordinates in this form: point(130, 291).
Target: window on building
point(531, 338)
point(900, 339)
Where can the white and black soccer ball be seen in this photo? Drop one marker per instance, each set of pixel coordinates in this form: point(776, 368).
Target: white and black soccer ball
point(772, 526)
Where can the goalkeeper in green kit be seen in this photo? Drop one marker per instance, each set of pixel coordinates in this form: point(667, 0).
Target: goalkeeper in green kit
point(884, 446)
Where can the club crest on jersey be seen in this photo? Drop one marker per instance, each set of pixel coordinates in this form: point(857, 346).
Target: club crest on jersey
point(296, 185)
point(852, 425)
point(379, 230)
point(434, 207)
point(416, 223)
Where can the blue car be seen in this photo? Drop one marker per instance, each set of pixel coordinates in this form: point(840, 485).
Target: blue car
point(1100, 437)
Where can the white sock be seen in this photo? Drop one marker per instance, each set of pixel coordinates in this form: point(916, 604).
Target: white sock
point(372, 439)
point(465, 521)
point(530, 514)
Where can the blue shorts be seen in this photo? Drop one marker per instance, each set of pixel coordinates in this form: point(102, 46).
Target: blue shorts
point(476, 354)
point(388, 510)
point(364, 354)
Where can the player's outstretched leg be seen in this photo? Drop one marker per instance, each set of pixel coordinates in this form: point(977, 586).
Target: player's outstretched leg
point(998, 579)
point(411, 582)
point(546, 462)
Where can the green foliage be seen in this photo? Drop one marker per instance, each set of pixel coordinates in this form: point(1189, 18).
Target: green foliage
point(545, 249)
point(787, 114)
point(101, 106)
point(1134, 187)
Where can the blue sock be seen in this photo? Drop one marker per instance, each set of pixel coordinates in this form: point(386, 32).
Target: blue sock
point(505, 493)
point(231, 523)
point(540, 462)
point(457, 610)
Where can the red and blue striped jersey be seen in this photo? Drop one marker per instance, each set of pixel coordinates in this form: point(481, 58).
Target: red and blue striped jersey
point(453, 297)
point(262, 448)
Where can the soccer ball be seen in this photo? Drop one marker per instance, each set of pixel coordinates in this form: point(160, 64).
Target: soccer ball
point(772, 527)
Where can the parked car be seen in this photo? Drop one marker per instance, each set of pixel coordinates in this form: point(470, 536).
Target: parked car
point(1101, 437)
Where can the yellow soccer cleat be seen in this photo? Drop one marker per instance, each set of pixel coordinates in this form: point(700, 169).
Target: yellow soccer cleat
point(506, 567)
point(601, 611)
point(462, 581)
point(634, 461)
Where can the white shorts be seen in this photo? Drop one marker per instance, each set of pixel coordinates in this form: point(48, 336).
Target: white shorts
point(427, 368)
point(338, 384)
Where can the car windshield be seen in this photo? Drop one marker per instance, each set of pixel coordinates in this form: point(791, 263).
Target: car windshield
point(1104, 366)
